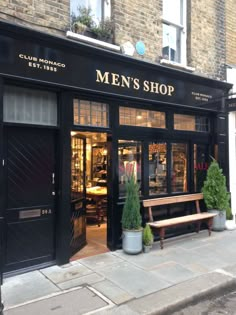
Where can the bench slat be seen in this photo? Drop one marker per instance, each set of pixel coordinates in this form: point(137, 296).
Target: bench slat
point(170, 200)
point(182, 220)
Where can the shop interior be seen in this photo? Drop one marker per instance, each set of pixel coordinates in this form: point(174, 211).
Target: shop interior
point(89, 181)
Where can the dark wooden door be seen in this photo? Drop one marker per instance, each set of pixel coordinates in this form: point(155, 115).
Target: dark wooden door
point(30, 197)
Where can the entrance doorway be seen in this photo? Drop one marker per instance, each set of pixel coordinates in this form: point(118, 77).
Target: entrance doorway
point(88, 194)
point(30, 196)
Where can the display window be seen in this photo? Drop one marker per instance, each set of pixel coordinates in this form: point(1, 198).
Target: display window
point(179, 159)
point(130, 162)
point(201, 164)
point(157, 168)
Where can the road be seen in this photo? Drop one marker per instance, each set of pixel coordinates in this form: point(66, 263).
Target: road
point(217, 306)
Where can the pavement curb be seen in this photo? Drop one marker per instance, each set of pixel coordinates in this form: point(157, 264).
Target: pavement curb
point(219, 290)
point(172, 299)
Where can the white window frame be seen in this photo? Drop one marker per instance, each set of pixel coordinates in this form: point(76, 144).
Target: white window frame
point(182, 30)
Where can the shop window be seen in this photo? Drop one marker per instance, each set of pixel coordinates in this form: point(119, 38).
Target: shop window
point(179, 167)
point(141, 118)
point(129, 157)
point(174, 35)
point(157, 168)
point(29, 106)
point(200, 166)
point(191, 123)
point(88, 113)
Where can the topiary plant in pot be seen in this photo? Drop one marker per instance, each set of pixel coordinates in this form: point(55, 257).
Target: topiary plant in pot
point(131, 219)
point(147, 238)
point(215, 195)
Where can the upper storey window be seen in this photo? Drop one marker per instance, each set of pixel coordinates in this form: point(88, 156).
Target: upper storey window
point(174, 34)
point(92, 18)
point(98, 10)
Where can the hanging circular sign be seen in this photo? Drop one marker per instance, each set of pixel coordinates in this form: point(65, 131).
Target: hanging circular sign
point(140, 48)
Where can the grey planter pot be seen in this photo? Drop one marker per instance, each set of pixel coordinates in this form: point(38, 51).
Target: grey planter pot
point(132, 242)
point(147, 248)
point(218, 220)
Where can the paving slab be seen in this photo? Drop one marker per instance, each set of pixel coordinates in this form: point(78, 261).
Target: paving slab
point(26, 287)
point(76, 302)
point(58, 274)
point(81, 281)
point(173, 272)
point(102, 260)
point(113, 292)
point(135, 281)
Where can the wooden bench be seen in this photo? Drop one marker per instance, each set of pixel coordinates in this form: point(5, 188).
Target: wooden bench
point(197, 218)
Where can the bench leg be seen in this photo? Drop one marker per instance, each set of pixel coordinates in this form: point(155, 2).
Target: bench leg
point(162, 236)
point(198, 226)
point(209, 223)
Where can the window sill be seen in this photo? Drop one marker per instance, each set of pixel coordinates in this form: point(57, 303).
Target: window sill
point(93, 41)
point(176, 65)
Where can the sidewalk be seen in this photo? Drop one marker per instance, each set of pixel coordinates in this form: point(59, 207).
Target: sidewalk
point(189, 268)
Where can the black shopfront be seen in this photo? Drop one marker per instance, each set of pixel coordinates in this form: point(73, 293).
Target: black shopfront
point(75, 120)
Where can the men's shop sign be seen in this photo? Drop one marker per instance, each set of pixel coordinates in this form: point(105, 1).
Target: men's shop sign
point(90, 70)
point(134, 83)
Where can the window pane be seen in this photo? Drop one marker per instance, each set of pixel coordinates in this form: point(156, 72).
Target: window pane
point(90, 113)
point(171, 43)
point(200, 166)
point(100, 9)
point(172, 11)
point(179, 167)
point(191, 123)
point(141, 118)
point(129, 162)
point(28, 106)
point(157, 168)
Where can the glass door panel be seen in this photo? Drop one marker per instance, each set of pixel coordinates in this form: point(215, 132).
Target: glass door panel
point(78, 193)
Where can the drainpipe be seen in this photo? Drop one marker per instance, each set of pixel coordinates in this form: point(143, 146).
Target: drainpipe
point(1, 264)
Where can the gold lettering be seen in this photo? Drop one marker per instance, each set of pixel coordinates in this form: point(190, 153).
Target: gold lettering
point(146, 86)
point(154, 87)
point(125, 81)
point(171, 89)
point(163, 89)
point(115, 79)
point(102, 78)
point(136, 84)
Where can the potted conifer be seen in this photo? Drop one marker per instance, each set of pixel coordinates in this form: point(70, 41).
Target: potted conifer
point(147, 238)
point(131, 219)
point(215, 195)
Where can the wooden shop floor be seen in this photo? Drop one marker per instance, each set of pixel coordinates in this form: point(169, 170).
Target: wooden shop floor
point(96, 242)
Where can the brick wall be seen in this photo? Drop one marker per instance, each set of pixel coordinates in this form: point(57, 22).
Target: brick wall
point(51, 16)
point(231, 32)
point(139, 20)
point(206, 37)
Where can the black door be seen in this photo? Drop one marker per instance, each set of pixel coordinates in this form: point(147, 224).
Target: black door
point(30, 197)
point(78, 193)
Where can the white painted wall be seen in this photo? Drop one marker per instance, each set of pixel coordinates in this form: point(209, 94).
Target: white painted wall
point(231, 78)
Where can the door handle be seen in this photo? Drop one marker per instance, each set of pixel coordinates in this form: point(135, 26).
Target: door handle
point(53, 178)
